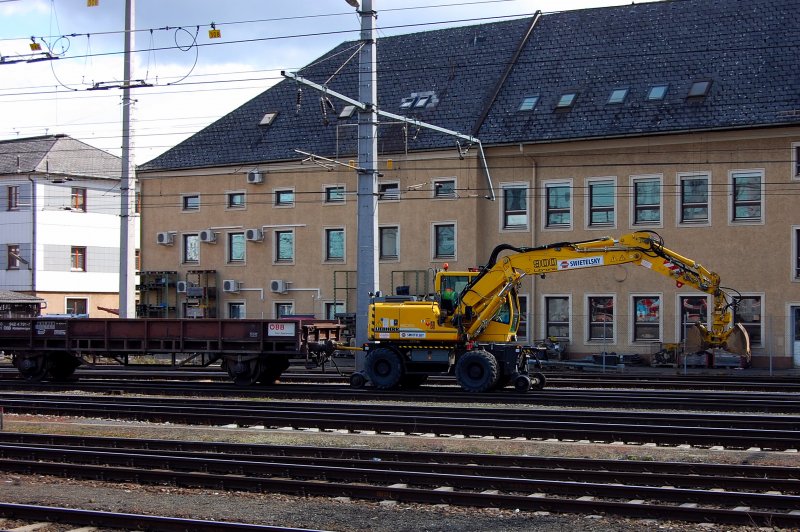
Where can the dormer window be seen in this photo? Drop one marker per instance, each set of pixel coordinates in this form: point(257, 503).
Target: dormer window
point(567, 100)
point(699, 89)
point(268, 119)
point(618, 96)
point(528, 103)
point(407, 103)
point(422, 102)
point(657, 92)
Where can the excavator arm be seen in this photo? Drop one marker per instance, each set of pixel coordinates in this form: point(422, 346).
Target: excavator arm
point(483, 297)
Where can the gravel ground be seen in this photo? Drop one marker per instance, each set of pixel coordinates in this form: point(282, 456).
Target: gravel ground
point(334, 514)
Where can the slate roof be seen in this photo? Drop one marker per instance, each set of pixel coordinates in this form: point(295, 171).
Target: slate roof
point(9, 296)
point(57, 154)
point(747, 48)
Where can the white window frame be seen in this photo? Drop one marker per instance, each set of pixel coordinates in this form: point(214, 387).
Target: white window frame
point(554, 183)
point(731, 202)
point(502, 207)
point(76, 298)
point(325, 233)
point(191, 195)
point(389, 259)
point(588, 206)
point(184, 259)
point(229, 252)
point(277, 205)
point(275, 232)
point(228, 194)
point(543, 320)
point(588, 317)
point(326, 305)
point(276, 304)
point(647, 177)
point(241, 302)
point(632, 336)
point(679, 198)
point(331, 186)
point(393, 197)
point(434, 225)
point(795, 258)
point(434, 192)
point(679, 311)
point(794, 170)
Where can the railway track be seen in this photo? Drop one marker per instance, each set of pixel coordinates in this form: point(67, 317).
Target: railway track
point(34, 514)
point(735, 431)
point(718, 401)
point(731, 494)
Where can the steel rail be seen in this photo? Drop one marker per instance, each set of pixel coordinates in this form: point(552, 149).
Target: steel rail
point(127, 521)
point(468, 422)
point(523, 494)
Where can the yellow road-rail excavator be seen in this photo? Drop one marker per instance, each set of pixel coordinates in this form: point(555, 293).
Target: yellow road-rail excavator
point(468, 326)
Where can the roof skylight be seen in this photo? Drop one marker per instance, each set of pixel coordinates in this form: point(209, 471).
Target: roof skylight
point(528, 103)
point(699, 89)
point(617, 95)
point(268, 118)
point(657, 92)
point(566, 100)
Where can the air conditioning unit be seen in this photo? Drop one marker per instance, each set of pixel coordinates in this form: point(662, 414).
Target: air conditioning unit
point(165, 238)
point(254, 235)
point(180, 287)
point(207, 235)
point(278, 286)
point(255, 177)
point(229, 285)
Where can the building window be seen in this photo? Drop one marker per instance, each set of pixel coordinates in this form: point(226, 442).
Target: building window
point(646, 200)
point(693, 309)
point(284, 198)
point(284, 246)
point(444, 241)
point(647, 320)
point(389, 247)
point(522, 329)
point(76, 305)
point(747, 196)
point(694, 199)
point(78, 259)
point(749, 314)
point(515, 207)
point(601, 318)
point(78, 199)
point(796, 231)
point(13, 197)
point(236, 310)
point(617, 95)
point(191, 249)
point(566, 100)
point(13, 257)
point(389, 191)
point(191, 203)
point(558, 208)
point(445, 188)
point(556, 311)
point(236, 248)
point(334, 245)
point(601, 203)
point(796, 160)
point(528, 103)
point(332, 309)
point(334, 194)
point(236, 200)
point(699, 89)
point(282, 310)
point(657, 92)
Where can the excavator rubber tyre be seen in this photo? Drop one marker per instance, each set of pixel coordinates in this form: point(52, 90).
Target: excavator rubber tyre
point(522, 384)
point(358, 380)
point(384, 368)
point(537, 381)
point(476, 371)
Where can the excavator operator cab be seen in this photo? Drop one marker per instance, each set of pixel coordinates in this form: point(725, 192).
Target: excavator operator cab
point(450, 287)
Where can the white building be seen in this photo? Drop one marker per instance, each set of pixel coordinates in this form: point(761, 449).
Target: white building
point(60, 223)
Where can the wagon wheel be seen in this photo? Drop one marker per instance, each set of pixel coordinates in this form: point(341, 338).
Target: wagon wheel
point(32, 368)
point(272, 369)
point(244, 372)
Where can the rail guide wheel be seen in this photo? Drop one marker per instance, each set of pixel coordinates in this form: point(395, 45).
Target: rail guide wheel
point(538, 381)
point(522, 384)
point(358, 380)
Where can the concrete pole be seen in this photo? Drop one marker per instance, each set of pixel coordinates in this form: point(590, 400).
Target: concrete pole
point(127, 184)
point(367, 263)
